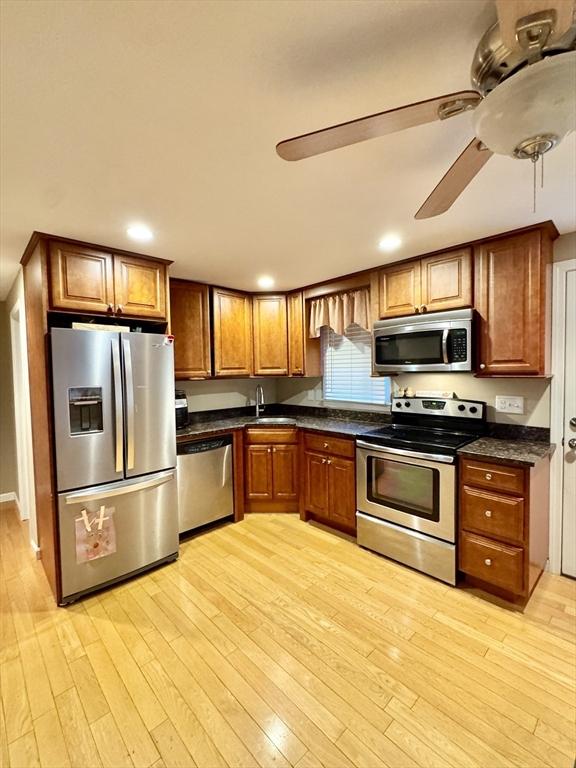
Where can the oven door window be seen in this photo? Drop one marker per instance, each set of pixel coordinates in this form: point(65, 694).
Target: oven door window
point(418, 348)
point(405, 487)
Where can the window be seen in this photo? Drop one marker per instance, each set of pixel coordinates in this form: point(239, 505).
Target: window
point(347, 366)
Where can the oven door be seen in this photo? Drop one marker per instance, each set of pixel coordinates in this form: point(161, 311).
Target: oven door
point(415, 493)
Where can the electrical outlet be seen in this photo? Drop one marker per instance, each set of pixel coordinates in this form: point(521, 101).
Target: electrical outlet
point(510, 404)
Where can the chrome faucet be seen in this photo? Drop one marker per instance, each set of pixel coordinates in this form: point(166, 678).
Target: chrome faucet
point(259, 400)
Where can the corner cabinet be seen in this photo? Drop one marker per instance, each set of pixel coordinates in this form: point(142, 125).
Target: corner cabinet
point(329, 470)
point(270, 327)
point(271, 470)
point(439, 282)
point(512, 299)
point(232, 329)
point(84, 279)
point(190, 325)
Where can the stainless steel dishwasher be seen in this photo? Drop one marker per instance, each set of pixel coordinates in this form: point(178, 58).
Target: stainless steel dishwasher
point(205, 486)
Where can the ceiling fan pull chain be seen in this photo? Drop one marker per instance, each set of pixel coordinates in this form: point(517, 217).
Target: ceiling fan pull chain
point(542, 172)
point(534, 159)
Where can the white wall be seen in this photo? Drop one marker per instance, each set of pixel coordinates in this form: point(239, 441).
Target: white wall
point(565, 247)
point(226, 393)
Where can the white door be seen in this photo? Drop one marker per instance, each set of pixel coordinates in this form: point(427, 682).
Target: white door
point(569, 445)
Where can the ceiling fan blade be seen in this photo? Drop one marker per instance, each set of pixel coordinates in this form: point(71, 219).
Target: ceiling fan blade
point(380, 124)
point(455, 180)
point(510, 12)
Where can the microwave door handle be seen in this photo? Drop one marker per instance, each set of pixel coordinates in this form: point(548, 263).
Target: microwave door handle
point(445, 333)
point(117, 382)
point(129, 388)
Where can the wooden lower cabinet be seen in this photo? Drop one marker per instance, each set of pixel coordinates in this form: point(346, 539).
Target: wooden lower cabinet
point(271, 470)
point(503, 528)
point(329, 493)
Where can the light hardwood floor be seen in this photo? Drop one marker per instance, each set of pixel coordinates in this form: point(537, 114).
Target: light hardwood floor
point(274, 643)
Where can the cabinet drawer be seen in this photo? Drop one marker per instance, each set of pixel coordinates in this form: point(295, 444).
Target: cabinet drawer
point(270, 436)
point(500, 517)
point(496, 476)
point(333, 445)
point(492, 562)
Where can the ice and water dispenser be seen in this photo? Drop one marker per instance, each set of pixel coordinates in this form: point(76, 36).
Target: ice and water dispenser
point(85, 407)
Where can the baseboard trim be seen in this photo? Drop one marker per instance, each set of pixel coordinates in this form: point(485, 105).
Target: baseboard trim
point(11, 496)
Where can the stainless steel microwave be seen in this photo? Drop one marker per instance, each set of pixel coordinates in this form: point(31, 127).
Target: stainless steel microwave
point(436, 342)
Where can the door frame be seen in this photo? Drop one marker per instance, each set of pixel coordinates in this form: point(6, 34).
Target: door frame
point(559, 280)
point(26, 499)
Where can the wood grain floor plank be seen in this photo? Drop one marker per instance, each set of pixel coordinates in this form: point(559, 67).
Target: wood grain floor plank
point(112, 750)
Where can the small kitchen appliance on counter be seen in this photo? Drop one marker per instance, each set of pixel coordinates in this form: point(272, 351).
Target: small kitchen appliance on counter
point(115, 439)
point(181, 403)
point(406, 481)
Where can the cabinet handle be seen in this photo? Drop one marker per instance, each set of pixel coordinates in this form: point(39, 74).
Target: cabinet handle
point(119, 309)
point(488, 476)
point(323, 461)
point(423, 308)
point(482, 366)
point(328, 462)
point(325, 445)
point(488, 513)
point(487, 561)
point(269, 450)
point(417, 310)
point(110, 308)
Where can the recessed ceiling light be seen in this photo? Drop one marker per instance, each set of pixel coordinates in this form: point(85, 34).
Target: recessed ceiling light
point(140, 232)
point(265, 281)
point(390, 243)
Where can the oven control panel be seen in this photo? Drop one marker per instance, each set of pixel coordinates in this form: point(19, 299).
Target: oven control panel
point(470, 409)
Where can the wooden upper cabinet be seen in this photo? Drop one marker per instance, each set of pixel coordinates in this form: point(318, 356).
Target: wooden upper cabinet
point(446, 281)
point(270, 335)
point(140, 287)
point(190, 321)
point(400, 289)
point(510, 298)
point(81, 278)
point(232, 325)
point(295, 333)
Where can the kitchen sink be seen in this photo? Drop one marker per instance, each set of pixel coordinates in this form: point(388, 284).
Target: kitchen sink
point(274, 420)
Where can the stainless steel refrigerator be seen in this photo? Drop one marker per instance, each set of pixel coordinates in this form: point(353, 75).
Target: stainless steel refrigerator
point(115, 438)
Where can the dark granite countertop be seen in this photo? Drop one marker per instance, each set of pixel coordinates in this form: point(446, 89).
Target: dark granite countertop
point(347, 427)
point(522, 453)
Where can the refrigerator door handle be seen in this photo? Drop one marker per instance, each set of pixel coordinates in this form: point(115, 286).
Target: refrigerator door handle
point(129, 404)
point(117, 378)
point(104, 492)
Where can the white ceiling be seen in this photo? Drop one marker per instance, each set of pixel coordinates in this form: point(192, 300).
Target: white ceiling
point(168, 113)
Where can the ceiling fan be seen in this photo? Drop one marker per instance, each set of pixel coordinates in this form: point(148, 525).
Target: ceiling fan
point(524, 102)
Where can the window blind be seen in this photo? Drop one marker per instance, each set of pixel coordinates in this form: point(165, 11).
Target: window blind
point(347, 368)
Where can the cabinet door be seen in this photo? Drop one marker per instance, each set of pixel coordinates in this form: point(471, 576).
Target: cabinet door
point(296, 334)
point(342, 491)
point(82, 279)
point(139, 287)
point(270, 335)
point(190, 321)
point(446, 281)
point(232, 333)
point(285, 472)
point(400, 289)
point(509, 298)
point(259, 478)
point(316, 484)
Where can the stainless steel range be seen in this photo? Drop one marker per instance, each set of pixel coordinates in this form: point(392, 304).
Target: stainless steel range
point(406, 482)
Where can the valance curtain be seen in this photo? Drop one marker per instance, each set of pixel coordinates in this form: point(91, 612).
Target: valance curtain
point(340, 310)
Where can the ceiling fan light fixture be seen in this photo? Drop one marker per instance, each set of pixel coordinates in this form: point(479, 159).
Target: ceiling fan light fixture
point(536, 105)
